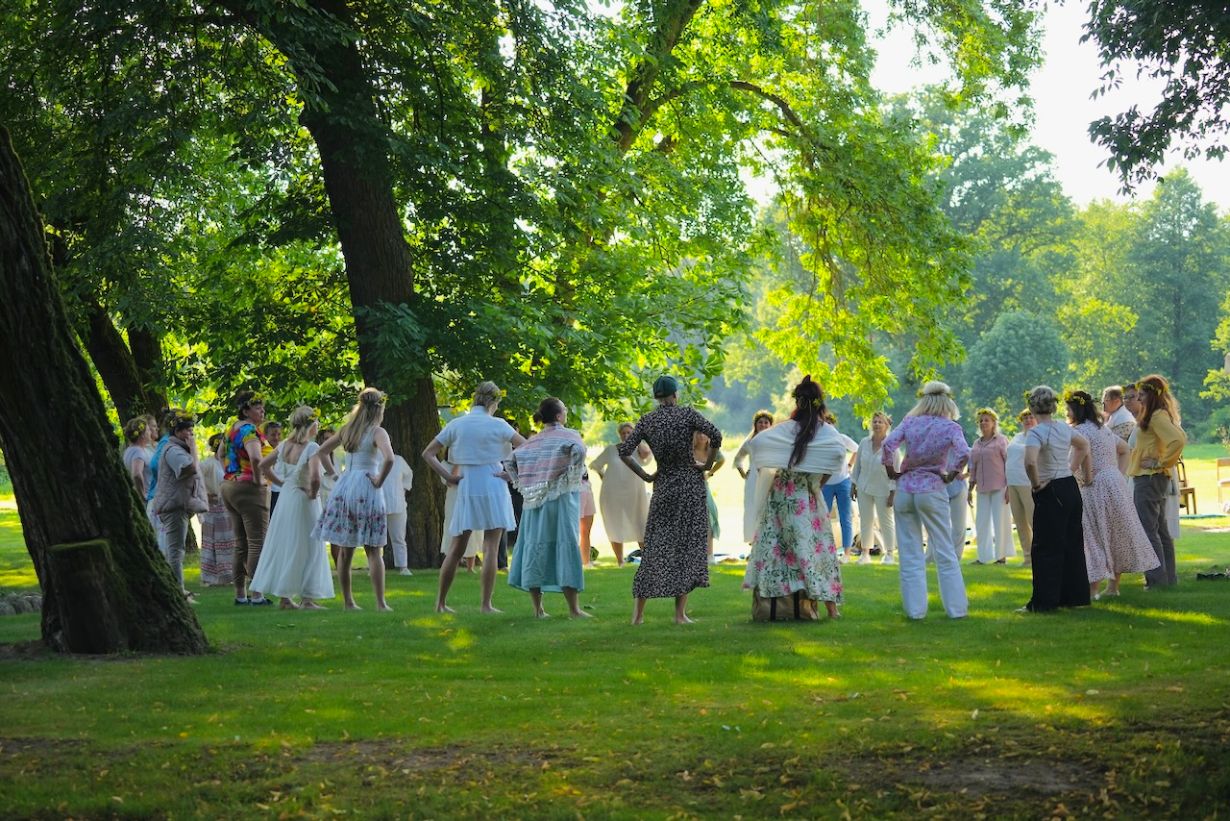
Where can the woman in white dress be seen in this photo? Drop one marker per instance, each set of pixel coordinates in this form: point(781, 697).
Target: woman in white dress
point(292, 562)
point(622, 499)
point(755, 484)
point(477, 442)
point(874, 491)
point(475, 542)
point(356, 513)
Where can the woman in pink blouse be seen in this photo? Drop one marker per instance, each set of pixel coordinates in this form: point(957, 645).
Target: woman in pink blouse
point(988, 462)
point(930, 435)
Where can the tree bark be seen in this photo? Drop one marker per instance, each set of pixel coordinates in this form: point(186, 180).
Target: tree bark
point(70, 485)
point(117, 366)
point(352, 139)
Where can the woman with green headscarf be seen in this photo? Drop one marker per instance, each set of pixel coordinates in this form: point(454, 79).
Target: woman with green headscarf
point(674, 561)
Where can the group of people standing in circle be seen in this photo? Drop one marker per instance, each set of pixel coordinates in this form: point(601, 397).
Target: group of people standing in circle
point(1088, 494)
point(1079, 521)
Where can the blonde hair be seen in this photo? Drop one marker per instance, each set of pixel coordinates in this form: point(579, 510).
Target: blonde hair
point(991, 413)
point(888, 420)
point(367, 414)
point(135, 427)
point(935, 399)
point(487, 394)
point(1043, 400)
point(302, 420)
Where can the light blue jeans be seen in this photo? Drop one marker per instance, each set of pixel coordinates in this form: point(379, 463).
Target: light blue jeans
point(914, 512)
point(845, 511)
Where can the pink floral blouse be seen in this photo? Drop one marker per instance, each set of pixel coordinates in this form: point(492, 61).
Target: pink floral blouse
point(929, 441)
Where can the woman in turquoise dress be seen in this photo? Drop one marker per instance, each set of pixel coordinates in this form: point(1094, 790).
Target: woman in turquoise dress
point(547, 471)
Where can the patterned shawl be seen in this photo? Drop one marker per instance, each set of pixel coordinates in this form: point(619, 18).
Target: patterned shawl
point(548, 465)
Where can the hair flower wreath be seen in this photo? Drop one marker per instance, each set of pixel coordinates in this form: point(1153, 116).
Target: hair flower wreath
point(1072, 397)
point(1151, 387)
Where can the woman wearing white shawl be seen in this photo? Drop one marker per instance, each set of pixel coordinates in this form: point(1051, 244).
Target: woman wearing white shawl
point(794, 549)
point(547, 470)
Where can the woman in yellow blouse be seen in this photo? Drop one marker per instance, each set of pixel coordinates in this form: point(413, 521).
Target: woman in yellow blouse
point(1159, 444)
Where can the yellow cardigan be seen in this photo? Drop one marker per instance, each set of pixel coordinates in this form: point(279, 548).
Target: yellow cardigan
point(1164, 441)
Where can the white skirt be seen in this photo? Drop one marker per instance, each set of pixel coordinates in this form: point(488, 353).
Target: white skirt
point(483, 501)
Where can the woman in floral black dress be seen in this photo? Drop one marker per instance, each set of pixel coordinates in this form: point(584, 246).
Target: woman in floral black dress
point(674, 561)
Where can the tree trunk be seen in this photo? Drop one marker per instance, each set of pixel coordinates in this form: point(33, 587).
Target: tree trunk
point(117, 366)
point(83, 524)
point(353, 143)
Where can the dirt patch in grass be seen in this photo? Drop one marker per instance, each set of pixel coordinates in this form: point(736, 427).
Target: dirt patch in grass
point(981, 777)
point(394, 754)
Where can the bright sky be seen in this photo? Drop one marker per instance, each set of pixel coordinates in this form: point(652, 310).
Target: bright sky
point(1060, 89)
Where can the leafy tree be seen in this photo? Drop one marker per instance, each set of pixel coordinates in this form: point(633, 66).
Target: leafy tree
point(1097, 311)
point(1181, 269)
point(1018, 352)
point(1217, 381)
point(106, 589)
point(1183, 44)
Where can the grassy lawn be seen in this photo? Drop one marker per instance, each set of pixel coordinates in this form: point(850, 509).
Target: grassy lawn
point(1121, 709)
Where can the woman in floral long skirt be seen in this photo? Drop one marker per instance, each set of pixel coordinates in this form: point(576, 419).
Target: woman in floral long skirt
point(794, 548)
point(217, 532)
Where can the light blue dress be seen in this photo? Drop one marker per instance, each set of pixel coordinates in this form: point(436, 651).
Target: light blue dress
point(548, 552)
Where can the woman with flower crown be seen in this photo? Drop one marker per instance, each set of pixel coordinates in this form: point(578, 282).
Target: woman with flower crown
point(477, 442)
point(1159, 446)
point(988, 481)
point(794, 549)
point(292, 562)
point(356, 513)
point(935, 454)
point(1115, 541)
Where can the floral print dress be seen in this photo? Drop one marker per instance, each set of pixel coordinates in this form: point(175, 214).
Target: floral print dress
point(794, 549)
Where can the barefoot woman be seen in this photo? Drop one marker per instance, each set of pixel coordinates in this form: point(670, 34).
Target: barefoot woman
point(675, 556)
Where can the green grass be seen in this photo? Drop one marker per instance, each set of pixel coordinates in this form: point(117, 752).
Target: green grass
point(1120, 709)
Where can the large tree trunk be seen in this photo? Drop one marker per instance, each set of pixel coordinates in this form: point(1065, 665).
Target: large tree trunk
point(105, 587)
point(132, 391)
point(353, 143)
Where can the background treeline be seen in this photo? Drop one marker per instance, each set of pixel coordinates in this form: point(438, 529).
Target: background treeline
point(1059, 294)
point(304, 197)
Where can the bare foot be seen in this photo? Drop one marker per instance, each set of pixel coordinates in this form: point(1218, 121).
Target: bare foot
point(384, 608)
point(490, 609)
point(352, 606)
point(287, 604)
point(580, 614)
point(542, 614)
point(638, 620)
point(444, 608)
point(311, 605)
point(683, 619)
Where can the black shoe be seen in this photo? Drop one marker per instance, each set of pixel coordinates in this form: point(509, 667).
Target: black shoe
point(242, 602)
point(261, 602)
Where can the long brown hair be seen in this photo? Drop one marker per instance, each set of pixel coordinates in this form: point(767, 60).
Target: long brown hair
point(809, 412)
point(1154, 394)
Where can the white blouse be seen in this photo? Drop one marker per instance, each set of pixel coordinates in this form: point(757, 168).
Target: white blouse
point(476, 438)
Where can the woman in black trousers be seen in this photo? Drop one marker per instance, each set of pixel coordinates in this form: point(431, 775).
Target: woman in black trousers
point(1052, 452)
